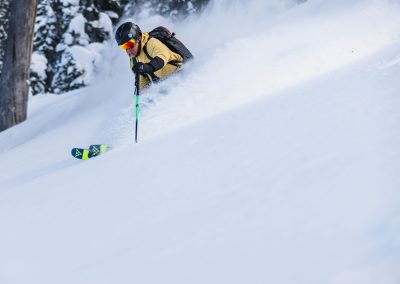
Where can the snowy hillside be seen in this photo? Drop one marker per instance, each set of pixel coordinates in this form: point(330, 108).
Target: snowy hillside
point(273, 159)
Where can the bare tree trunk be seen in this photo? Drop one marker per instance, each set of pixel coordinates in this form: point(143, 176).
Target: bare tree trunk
point(16, 63)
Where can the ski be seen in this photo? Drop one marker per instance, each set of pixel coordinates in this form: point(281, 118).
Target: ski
point(93, 151)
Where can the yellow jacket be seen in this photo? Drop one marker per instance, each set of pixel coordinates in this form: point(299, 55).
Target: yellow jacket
point(155, 48)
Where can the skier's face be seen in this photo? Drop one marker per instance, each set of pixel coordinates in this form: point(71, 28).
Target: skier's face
point(133, 51)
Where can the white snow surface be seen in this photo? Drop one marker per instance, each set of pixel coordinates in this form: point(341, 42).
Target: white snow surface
point(273, 158)
point(39, 64)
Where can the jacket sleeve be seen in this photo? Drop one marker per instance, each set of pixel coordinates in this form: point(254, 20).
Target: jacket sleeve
point(156, 48)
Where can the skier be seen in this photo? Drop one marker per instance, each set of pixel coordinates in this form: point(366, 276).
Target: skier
point(149, 56)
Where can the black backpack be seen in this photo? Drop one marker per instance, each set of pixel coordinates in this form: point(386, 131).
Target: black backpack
point(169, 39)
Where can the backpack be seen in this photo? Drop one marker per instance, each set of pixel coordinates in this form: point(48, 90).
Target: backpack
point(169, 39)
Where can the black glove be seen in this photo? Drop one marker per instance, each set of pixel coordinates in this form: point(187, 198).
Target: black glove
point(142, 68)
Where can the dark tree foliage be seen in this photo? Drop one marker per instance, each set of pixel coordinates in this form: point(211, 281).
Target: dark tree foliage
point(57, 32)
point(66, 30)
point(4, 15)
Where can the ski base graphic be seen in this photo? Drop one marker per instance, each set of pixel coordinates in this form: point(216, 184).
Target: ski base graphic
point(92, 151)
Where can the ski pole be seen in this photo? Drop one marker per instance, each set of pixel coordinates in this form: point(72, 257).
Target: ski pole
point(137, 104)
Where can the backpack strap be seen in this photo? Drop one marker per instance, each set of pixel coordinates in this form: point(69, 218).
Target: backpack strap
point(146, 52)
point(152, 76)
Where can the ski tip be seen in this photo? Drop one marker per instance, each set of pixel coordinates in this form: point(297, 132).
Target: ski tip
point(79, 153)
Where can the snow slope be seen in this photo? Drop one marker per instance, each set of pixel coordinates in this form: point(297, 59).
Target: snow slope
point(273, 159)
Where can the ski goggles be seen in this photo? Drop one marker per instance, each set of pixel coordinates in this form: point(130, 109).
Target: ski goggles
point(128, 45)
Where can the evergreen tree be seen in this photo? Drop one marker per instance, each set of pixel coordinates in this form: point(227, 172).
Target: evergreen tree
point(4, 15)
point(68, 34)
point(62, 27)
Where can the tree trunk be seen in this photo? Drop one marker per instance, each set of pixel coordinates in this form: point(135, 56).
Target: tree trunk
point(16, 63)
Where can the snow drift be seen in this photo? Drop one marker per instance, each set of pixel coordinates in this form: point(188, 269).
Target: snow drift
point(274, 158)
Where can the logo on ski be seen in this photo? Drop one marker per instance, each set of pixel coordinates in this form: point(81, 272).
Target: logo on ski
point(93, 151)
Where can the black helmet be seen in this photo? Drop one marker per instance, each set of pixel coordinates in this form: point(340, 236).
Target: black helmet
point(127, 31)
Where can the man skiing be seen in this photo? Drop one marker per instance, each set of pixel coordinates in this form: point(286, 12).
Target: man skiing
point(149, 56)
